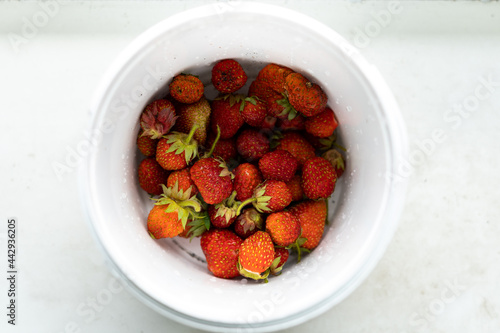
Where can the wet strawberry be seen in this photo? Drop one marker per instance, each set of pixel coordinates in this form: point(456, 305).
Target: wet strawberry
point(321, 125)
point(146, 145)
point(312, 217)
point(227, 116)
point(186, 88)
point(221, 249)
point(282, 254)
point(195, 114)
point(183, 179)
point(261, 90)
point(248, 222)
point(256, 254)
point(253, 111)
point(222, 215)
point(252, 144)
point(158, 118)
point(306, 97)
point(298, 146)
point(283, 227)
point(246, 178)
point(279, 165)
point(228, 76)
point(270, 196)
point(274, 75)
point(176, 150)
point(296, 124)
point(151, 176)
point(295, 187)
point(213, 180)
point(318, 178)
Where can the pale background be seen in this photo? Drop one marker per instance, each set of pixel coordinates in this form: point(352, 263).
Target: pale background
point(440, 273)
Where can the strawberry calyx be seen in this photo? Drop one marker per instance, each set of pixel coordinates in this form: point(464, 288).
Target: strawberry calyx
point(288, 108)
point(183, 143)
point(259, 201)
point(228, 207)
point(253, 275)
point(199, 224)
point(274, 269)
point(179, 201)
point(250, 219)
point(157, 119)
point(335, 158)
point(233, 99)
point(297, 246)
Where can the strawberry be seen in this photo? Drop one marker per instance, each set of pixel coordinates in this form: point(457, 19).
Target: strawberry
point(183, 179)
point(157, 118)
point(318, 178)
point(228, 76)
point(270, 196)
point(321, 125)
point(226, 115)
point(282, 254)
point(213, 179)
point(268, 123)
point(256, 254)
point(224, 148)
point(274, 75)
point(176, 150)
point(335, 158)
point(320, 143)
point(246, 178)
point(252, 144)
point(278, 164)
point(171, 212)
point(283, 227)
point(275, 105)
point(261, 90)
point(248, 223)
point(298, 146)
point(295, 124)
point(224, 214)
point(253, 110)
point(221, 249)
point(197, 113)
point(146, 145)
point(151, 176)
point(186, 88)
point(295, 187)
point(306, 97)
point(312, 217)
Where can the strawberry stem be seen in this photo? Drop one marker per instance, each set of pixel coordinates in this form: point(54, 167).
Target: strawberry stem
point(217, 137)
point(244, 203)
point(191, 133)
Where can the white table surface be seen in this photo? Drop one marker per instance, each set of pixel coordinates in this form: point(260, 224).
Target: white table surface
point(440, 273)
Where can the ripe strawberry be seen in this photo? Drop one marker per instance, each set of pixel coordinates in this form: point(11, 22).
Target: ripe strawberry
point(283, 227)
point(248, 223)
point(252, 144)
point(256, 254)
point(176, 150)
point(253, 111)
point(213, 179)
point(146, 145)
point(246, 178)
point(151, 176)
point(335, 158)
point(268, 123)
point(278, 164)
point(228, 76)
point(226, 115)
point(224, 214)
point(197, 113)
point(275, 106)
point(186, 88)
point(224, 148)
point(295, 187)
point(277, 265)
point(270, 196)
point(296, 124)
point(171, 212)
point(312, 217)
point(318, 178)
point(221, 249)
point(158, 118)
point(298, 146)
point(320, 143)
point(306, 97)
point(322, 125)
point(183, 179)
point(274, 75)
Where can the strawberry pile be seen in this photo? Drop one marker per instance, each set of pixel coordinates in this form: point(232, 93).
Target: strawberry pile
point(250, 174)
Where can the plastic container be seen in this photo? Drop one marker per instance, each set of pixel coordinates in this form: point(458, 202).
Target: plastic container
point(169, 275)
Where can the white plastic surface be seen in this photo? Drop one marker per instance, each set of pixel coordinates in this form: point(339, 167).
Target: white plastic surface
point(363, 212)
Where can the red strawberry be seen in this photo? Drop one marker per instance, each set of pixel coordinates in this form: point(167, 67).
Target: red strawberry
point(228, 76)
point(298, 146)
point(213, 179)
point(260, 89)
point(296, 124)
point(335, 158)
point(224, 214)
point(246, 178)
point(256, 254)
point(197, 113)
point(322, 125)
point(186, 88)
point(146, 145)
point(268, 123)
point(248, 223)
point(176, 150)
point(276, 106)
point(318, 178)
point(306, 97)
point(253, 111)
point(224, 148)
point(171, 213)
point(278, 164)
point(320, 143)
point(221, 249)
point(283, 227)
point(270, 196)
point(252, 144)
point(183, 179)
point(312, 217)
point(151, 176)
point(295, 187)
point(158, 118)
point(226, 115)
point(283, 254)
point(274, 75)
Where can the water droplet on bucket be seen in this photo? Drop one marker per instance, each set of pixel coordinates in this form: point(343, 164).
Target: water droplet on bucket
point(348, 108)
